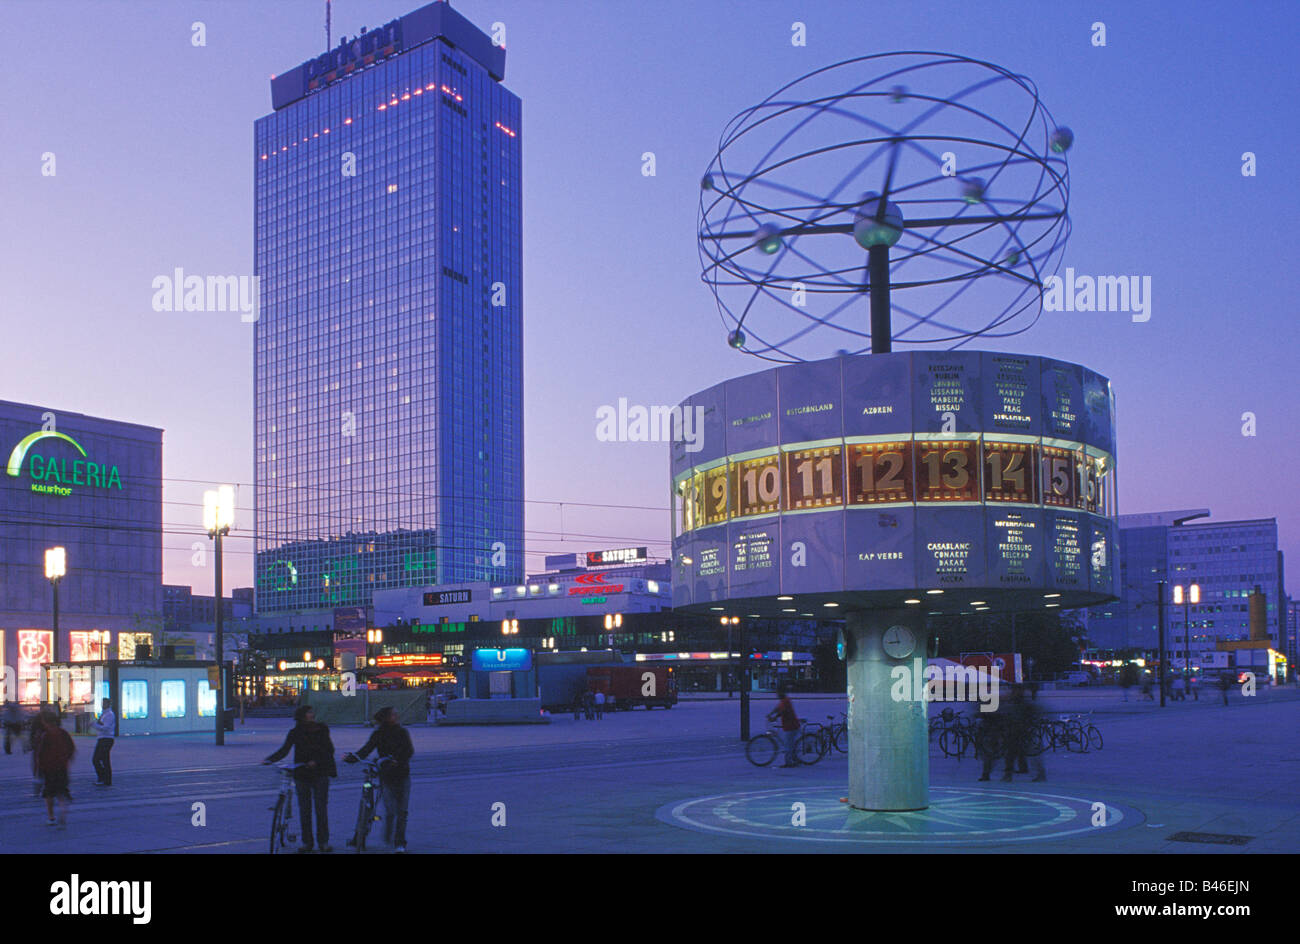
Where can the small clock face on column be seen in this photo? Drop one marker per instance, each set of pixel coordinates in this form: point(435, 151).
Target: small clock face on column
point(899, 642)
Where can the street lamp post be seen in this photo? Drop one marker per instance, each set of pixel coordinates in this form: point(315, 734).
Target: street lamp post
point(742, 669)
point(218, 519)
point(1193, 595)
point(56, 565)
point(1160, 618)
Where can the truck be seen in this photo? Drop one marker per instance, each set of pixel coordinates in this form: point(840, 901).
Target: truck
point(654, 686)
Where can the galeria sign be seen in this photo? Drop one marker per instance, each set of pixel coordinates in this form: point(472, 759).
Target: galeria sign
point(53, 475)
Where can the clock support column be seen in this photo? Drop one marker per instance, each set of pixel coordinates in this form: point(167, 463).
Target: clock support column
point(889, 757)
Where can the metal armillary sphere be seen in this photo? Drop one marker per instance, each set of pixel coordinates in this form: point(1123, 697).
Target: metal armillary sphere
point(924, 184)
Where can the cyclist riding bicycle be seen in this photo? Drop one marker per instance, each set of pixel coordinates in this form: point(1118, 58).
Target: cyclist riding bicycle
point(790, 723)
point(391, 740)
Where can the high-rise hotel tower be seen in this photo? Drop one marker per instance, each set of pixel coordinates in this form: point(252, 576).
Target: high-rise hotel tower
point(388, 365)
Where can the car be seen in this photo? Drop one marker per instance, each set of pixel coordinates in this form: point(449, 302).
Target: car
point(1077, 678)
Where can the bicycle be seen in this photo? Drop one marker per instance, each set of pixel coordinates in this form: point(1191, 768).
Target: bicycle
point(1091, 731)
point(762, 749)
point(829, 737)
point(366, 812)
point(282, 811)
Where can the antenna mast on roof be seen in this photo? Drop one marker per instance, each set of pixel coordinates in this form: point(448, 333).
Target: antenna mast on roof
point(327, 24)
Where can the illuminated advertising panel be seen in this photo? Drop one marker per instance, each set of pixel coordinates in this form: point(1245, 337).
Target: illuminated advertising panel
point(410, 659)
point(35, 647)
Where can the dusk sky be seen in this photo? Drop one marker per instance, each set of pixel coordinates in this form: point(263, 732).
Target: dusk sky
point(152, 139)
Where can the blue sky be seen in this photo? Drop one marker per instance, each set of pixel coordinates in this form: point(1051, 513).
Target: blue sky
point(153, 142)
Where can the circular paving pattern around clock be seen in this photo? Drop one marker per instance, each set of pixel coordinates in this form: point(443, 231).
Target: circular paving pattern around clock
point(956, 816)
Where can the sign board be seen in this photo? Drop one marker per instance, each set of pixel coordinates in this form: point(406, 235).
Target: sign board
point(502, 660)
point(622, 555)
point(445, 597)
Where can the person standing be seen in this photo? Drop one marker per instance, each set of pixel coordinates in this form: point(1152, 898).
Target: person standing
point(784, 710)
point(600, 706)
point(13, 724)
point(393, 742)
point(106, 727)
point(1025, 717)
point(993, 738)
point(314, 751)
point(1224, 685)
point(53, 754)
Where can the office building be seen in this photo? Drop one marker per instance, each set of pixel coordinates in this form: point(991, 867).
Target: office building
point(387, 352)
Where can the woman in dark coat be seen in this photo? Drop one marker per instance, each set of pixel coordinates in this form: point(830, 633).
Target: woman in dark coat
point(314, 751)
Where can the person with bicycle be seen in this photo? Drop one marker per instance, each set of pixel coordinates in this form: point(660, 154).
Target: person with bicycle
point(314, 752)
point(392, 741)
point(790, 723)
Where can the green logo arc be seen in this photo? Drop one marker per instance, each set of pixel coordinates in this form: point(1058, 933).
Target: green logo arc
point(20, 451)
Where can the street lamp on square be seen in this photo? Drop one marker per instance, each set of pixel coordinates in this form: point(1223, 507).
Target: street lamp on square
point(218, 519)
point(56, 566)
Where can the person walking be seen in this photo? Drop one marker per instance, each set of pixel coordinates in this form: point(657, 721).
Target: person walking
point(600, 706)
point(1179, 692)
point(993, 734)
point(392, 741)
point(314, 751)
point(106, 727)
point(1025, 716)
point(589, 705)
point(13, 724)
point(1224, 685)
point(790, 723)
point(53, 754)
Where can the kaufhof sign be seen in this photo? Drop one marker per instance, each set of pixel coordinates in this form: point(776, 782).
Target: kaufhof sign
point(56, 464)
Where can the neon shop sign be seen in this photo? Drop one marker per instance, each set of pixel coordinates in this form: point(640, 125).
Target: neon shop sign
point(54, 476)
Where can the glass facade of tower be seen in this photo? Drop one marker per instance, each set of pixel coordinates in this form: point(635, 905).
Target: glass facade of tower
point(387, 355)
